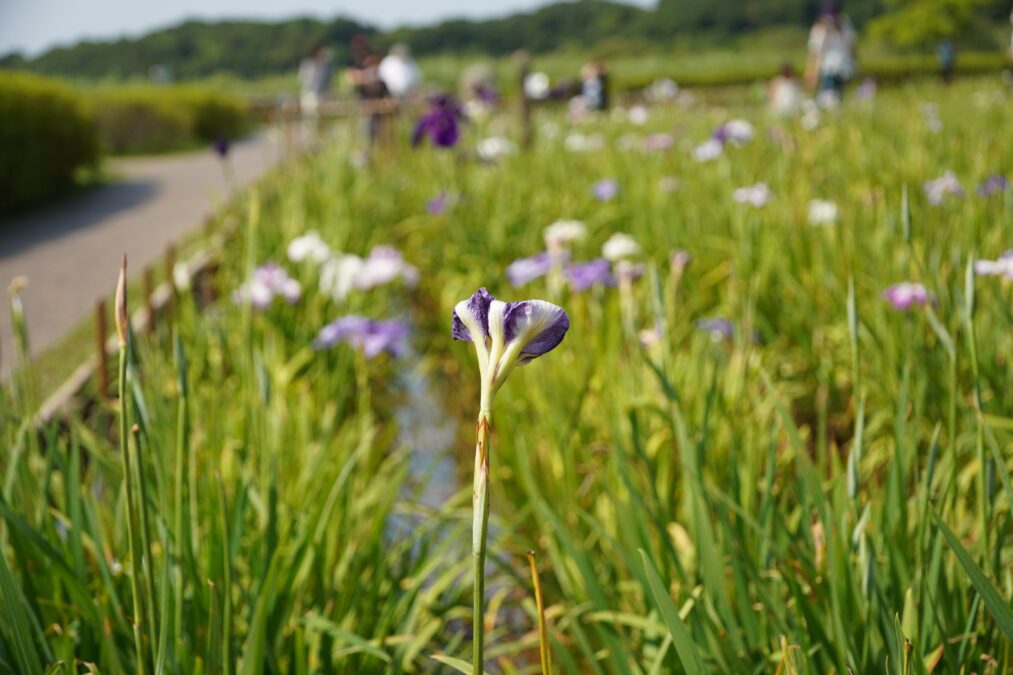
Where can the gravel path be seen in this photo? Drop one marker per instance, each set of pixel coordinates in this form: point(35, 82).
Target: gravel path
point(70, 252)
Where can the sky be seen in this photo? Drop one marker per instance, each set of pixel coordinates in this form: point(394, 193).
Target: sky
point(32, 26)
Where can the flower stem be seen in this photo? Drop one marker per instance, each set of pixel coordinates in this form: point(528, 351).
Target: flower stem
point(135, 561)
point(480, 531)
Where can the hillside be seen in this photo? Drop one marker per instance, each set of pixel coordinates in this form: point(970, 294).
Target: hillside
point(250, 49)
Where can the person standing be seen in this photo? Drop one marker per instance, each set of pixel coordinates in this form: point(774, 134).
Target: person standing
point(831, 53)
point(399, 72)
point(315, 73)
point(947, 54)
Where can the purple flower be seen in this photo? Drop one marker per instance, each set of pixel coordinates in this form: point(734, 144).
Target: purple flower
point(438, 204)
point(993, 184)
point(526, 270)
point(221, 147)
point(583, 276)
point(267, 282)
point(995, 268)
point(719, 329)
point(440, 124)
point(906, 294)
point(605, 190)
point(866, 91)
point(679, 260)
point(372, 337)
point(506, 334)
point(937, 190)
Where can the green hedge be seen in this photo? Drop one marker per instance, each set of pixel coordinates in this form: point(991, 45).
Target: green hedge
point(147, 119)
point(46, 135)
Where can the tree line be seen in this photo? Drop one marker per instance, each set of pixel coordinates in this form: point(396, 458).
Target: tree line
point(250, 49)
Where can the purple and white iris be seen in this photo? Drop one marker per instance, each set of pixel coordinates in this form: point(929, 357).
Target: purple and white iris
point(525, 270)
point(371, 336)
point(265, 284)
point(506, 334)
point(736, 132)
point(344, 272)
point(939, 189)
point(905, 295)
point(717, 328)
point(1002, 267)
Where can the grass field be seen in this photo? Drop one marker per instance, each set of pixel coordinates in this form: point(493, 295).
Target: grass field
point(751, 463)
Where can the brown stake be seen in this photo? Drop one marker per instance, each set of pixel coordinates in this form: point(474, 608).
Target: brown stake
point(103, 357)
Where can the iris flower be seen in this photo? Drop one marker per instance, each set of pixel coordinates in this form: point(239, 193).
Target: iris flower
point(620, 246)
point(606, 189)
point(525, 270)
point(718, 328)
point(308, 247)
point(736, 132)
point(583, 276)
point(756, 195)
point(265, 284)
point(905, 295)
point(822, 212)
point(995, 268)
point(505, 334)
point(994, 184)
point(372, 337)
point(936, 191)
point(440, 124)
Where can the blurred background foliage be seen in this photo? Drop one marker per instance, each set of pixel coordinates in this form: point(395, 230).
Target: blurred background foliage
point(255, 49)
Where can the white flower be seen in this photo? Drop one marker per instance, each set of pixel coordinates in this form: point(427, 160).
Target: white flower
point(562, 232)
point(492, 148)
point(709, 150)
point(995, 268)
point(181, 277)
point(578, 142)
point(661, 90)
point(383, 265)
point(308, 247)
point(822, 212)
point(338, 275)
point(620, 247)
point(755, 195)
point(738, 131)
point(638, 114)
point(536, 86)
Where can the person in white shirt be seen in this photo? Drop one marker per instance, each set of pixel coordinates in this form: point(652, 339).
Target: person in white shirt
point(399, 72)
point(784, 95)
point(831, 52)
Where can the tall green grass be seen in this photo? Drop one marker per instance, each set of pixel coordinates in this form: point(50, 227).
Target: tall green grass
point(827, 491)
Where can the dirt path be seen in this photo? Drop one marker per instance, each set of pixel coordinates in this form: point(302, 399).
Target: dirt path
point(70, 252)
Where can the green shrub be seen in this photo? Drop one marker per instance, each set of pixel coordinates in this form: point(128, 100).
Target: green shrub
point(143, 119)
point(46, 135)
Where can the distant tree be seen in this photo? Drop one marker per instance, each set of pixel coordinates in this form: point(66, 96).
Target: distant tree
point(921, 23)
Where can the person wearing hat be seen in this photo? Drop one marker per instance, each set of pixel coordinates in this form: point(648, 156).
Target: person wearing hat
point(831, 52)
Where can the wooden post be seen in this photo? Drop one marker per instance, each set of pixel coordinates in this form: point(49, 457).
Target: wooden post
point(523, 67)
point(103, 357)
